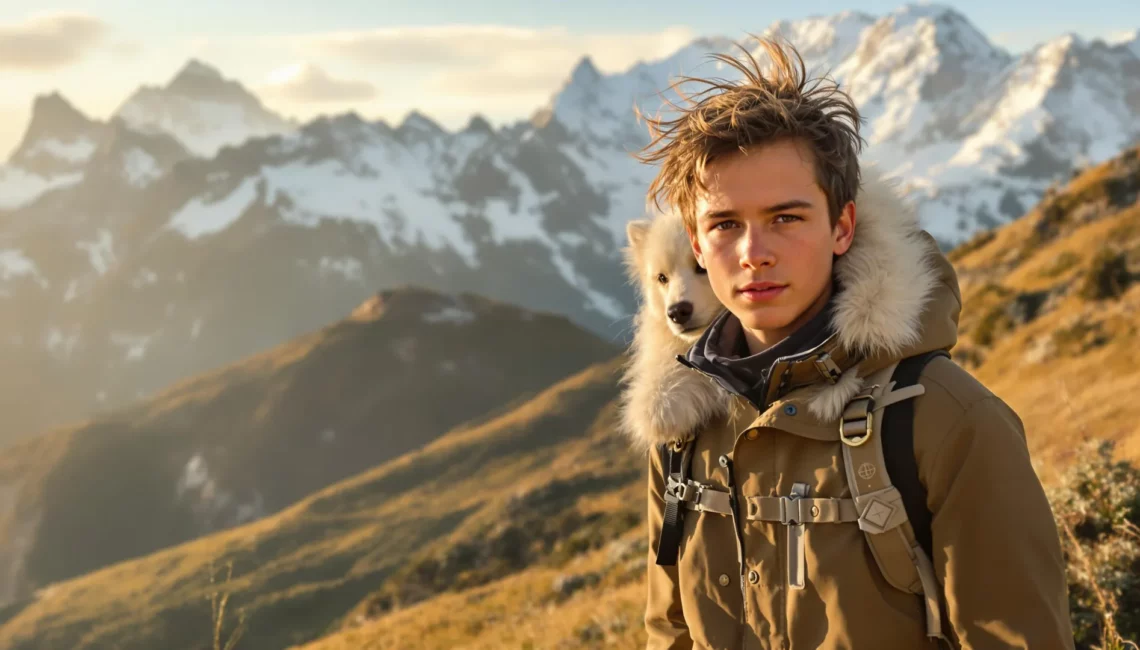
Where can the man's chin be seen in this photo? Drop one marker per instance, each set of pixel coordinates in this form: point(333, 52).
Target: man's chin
point(761, 318)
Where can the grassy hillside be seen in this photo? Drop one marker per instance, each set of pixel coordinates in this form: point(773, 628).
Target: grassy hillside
point(532, 486)
point(1052, 309)
point(249, 439)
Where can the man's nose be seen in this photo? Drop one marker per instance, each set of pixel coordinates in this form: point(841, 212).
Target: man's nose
point(755, 249)
point(680, 312)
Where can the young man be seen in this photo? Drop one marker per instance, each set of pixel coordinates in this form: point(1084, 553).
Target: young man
point(828, 279)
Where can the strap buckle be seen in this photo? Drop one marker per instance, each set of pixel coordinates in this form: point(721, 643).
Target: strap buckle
point(790, 510)
point(684, 491)
point(858, 437)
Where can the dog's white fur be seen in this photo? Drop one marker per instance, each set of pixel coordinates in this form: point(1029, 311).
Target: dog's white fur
point(662, 399)
point(887, 276)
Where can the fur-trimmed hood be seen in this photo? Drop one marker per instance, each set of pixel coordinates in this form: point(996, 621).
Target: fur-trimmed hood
point(897, 296)
point(900, 293)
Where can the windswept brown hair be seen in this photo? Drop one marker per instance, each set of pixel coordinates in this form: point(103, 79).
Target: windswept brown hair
point(728, 117)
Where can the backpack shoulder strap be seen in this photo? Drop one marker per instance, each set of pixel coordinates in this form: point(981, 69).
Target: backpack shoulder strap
point(898, 449)
point(675, 461)
point(884, 510)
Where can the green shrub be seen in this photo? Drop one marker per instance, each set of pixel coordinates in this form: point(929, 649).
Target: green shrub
point(1097, 506)
point(1079, 337)
point(1107, 277)
point(994, 322)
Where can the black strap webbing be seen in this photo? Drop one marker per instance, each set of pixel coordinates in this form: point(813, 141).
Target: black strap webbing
point(898, 449)
point(676, 465)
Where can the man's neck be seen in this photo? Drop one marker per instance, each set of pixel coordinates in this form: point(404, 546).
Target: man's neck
point(760, 340)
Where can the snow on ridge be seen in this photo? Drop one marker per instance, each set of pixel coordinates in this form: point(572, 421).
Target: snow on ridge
point(135, 344)
point(13, 263)
point(203, 126)
point(144, 278)
point(19, 187)
point(76, 151)
point(197, 217)
point(99, 252)
point(401, 202)
point(450, 314)
point(348, 267)
point(59, 344)
point(140, 168)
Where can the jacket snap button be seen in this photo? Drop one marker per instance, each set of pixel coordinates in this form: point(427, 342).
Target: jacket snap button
point(752, 434)
point(753, 577)
point(790, 409)
point(723, 579)
point(815, 511)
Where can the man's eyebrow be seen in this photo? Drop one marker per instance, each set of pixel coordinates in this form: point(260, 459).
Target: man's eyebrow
point(779, 207)
point(719, 214)
point(788, 205)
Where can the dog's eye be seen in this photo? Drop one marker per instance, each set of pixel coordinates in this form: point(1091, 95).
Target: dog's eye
point(661, 278)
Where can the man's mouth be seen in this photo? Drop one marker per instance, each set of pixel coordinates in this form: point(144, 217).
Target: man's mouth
point(761, 291)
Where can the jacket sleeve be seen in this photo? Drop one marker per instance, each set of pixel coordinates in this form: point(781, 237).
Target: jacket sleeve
point(996, 546)
point(664, 621)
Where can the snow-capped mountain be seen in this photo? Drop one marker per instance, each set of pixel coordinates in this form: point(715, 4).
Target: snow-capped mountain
point(179, 236)
point(203, 110)
point(974, 134)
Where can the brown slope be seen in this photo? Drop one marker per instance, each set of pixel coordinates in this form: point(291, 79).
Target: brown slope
point(507, 492)
point(1051, 309)
point(251, 438)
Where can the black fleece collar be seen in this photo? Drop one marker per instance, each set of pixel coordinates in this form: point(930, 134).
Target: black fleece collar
point(722, 352)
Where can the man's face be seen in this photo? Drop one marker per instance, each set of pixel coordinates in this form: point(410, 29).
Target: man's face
point(765, 220)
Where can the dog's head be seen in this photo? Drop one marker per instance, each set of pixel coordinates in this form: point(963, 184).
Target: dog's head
point(673, 287)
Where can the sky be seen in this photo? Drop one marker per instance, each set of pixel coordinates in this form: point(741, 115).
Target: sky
point(502, 59)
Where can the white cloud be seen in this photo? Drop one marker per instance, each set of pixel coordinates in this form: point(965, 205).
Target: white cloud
point(49, 41)
point(307, 83)
point(1027, 38)
point(494, 59)
point(1116, 36)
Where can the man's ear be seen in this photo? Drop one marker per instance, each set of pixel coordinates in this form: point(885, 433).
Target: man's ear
point(696, 245)
point(844, 230)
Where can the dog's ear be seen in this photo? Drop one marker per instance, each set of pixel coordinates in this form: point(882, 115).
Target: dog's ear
point(636, 230)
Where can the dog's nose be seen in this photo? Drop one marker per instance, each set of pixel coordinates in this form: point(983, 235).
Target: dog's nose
point(680, 312)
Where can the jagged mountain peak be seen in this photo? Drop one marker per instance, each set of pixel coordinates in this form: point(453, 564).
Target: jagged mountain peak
point(585, 72)
point(53, 116)
point(416, 122)
point(202, 109)
point(478, 124)
point(195, 68)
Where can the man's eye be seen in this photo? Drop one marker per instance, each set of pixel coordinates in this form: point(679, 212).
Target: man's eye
point(790, 216)
point(661, 278)
point(723, 223)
